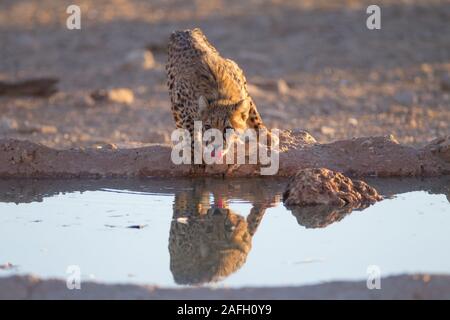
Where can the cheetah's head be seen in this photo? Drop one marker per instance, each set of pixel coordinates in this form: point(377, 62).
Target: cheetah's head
point(209, 247)
point(226, 116)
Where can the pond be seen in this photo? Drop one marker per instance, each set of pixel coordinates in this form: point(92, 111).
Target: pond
point(225, 233)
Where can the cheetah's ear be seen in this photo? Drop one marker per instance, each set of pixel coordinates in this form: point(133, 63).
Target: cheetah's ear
point(202, 104)
point(243, 107)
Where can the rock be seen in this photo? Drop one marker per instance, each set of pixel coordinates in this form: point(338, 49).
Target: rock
point(99, 95)
point(139, 59)
point(405, 98)
point(137, 226)
point(84, 100)
point(106, 146)
point(48, 129)
point(29, 128)
point(7, 266)
point(320, 197)
point(294, 139)
point(39, 87)
point(440, 147)
point(320, 186)
point(353, 121)
point(283, 87)
point(121, 95)
point(327, 130)
point(118, 95)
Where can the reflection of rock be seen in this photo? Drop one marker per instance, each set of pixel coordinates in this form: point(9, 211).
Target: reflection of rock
point(320, 186)
point(208, 247)
point(320, 216)
point(318, 197)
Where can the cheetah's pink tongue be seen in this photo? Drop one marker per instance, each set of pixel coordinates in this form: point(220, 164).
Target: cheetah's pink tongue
point(217, 154)
point(220, 203)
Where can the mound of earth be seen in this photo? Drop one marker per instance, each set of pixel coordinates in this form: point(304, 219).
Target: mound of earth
point(318, 197)
point(320, 186)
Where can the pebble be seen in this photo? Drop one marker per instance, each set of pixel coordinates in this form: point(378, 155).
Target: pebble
point(283, 87)
point(138, 226)
point(142, 59)
point(327, 130)
point(118, 95)
point(121, 95)
point(353, 121)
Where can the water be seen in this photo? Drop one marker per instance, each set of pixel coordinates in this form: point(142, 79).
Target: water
point(142, 231)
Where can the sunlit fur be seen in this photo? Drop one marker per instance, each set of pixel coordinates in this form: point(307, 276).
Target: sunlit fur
point(198, 73)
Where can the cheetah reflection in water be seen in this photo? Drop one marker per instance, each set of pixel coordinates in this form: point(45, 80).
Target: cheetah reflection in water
point(209, 241)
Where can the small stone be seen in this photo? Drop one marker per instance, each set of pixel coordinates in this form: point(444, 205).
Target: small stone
point(353, 121)
point(426, 278)
point(118, 95)
point(138, 226)
point(327, 131)
point(440, 147)
point(283, 87)
point(108, 146)
point(121, 95)
point(99, 95)
point(427, 68)
point(86, 101)
point(7, 266)
point(48, 129)
point(143, 59)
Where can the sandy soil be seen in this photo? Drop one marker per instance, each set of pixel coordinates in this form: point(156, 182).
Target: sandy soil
point(310, 64)
point(418, 287)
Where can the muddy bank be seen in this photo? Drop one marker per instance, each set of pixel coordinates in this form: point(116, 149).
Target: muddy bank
point(373, 156)
point(395, 287)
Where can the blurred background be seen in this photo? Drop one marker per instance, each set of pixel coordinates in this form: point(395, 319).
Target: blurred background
point(311, 64)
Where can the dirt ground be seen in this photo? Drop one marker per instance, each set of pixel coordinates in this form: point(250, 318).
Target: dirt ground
point(417, 287)
point(311, 65)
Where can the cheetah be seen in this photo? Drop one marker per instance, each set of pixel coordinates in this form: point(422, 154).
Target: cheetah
point(209, 241)
point(206, 87)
